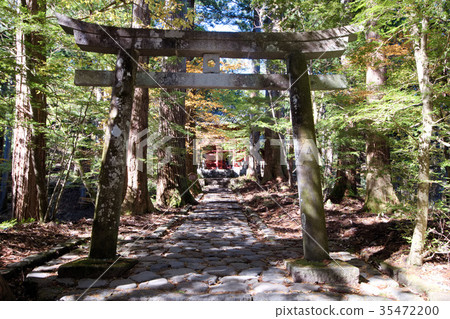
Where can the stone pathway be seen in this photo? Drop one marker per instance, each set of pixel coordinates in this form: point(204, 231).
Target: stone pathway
point(213, 255)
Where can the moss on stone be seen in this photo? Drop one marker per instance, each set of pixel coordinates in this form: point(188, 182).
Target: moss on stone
point(328, 271)
point(316, 264)
point(93, 268)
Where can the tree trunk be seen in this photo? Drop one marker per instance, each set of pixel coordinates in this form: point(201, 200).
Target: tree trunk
point(5, 147)
point(272, 147)
point(420, 34)
point(254, 166)
point(315, 239)
point(112, 172)
point(191, 168)
point(5, 292)
point(173, 186)
point(137, 200)
point(379, 189)
point(268, 156)
point(446, 151)
point(28, 173)
point(346, 181)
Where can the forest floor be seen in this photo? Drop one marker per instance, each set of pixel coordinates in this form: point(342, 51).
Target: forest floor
point(372, 237)
point(27, 239)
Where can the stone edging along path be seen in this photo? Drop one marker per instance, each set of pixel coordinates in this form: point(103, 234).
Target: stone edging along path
point(433, 291)
point(212, 255)
point(13, 269)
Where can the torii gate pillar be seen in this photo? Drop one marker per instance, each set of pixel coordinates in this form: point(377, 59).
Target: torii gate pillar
point(112, 173)
point(315, 239)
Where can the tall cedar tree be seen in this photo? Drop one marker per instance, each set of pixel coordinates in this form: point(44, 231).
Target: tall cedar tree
point(173, 184)
point(29, 193)
point(137, 200)
point(379, 189)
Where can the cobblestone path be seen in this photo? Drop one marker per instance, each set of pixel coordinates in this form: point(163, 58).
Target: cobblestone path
point(213, 255)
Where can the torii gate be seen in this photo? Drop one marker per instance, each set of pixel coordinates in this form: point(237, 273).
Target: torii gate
point(130, 43)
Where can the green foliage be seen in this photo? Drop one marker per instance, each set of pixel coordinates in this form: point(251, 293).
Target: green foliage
point(8, 224)
point(13, 222)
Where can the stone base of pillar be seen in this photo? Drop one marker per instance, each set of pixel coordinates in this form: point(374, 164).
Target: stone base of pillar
point(329, 272)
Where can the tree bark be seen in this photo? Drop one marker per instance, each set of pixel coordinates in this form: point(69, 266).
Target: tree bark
point(254, 167)
point(346, 180)
point(420, 34)
point(5, 292)
point(173, 186)
point(191, 169)
point(272, 147)
point(112, 172)
point(29, 193)
point(137, 200)
point(315, 239)
point(268, 156)
point(379, 189)
point(5, 146)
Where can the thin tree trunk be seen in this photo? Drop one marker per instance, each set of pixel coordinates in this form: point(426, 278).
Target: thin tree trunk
point(137, 200)
point(254, 168)
point(276, 140)
point(420, 34)
point(29, 175)
point(191, 169)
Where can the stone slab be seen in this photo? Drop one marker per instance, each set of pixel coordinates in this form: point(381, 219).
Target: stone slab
point(230, 287)
point(279, 297)
point(94, 268)
point(144, 276)
point(157, 284)
point(332, 272)
point(223, 297)
point(91, 283)
point(269, 287)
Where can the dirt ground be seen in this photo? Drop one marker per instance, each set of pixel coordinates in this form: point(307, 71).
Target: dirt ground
point(373, 238)
point(24, 240)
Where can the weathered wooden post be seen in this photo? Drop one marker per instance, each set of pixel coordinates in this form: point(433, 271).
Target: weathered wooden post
point(315, 239)
point(112, 172)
